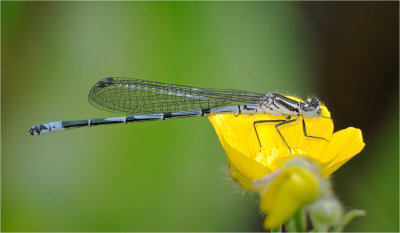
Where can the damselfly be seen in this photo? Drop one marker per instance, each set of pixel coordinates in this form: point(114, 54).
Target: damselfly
point(148, 101)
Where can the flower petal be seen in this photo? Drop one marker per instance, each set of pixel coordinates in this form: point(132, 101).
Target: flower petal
point(238, 136)
point(243, 168)
point(249, 161)
point(345, 145)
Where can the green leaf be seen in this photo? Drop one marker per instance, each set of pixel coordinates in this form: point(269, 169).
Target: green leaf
point(347, 218)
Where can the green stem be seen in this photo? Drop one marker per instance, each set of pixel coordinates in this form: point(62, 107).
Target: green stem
point(298, 223)
point(278, 229)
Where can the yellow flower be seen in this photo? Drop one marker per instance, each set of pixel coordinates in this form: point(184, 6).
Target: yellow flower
point(248, 161)
point(295, 186)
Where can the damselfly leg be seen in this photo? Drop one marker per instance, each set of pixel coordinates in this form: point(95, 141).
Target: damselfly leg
point(305, 133)
point(283, 122)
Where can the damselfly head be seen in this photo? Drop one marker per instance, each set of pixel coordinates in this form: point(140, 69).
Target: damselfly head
point(311, 108)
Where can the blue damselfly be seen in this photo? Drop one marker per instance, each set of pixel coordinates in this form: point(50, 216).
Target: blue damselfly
point(148, 101)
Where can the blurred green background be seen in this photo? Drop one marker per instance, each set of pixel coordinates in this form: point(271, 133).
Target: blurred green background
point(171, 176)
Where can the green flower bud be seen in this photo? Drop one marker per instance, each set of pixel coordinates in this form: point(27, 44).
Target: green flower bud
point(325, 213)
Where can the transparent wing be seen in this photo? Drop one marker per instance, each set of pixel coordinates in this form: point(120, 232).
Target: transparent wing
point(136, 96)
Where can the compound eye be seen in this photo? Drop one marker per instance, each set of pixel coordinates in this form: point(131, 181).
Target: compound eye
point(314, 102)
